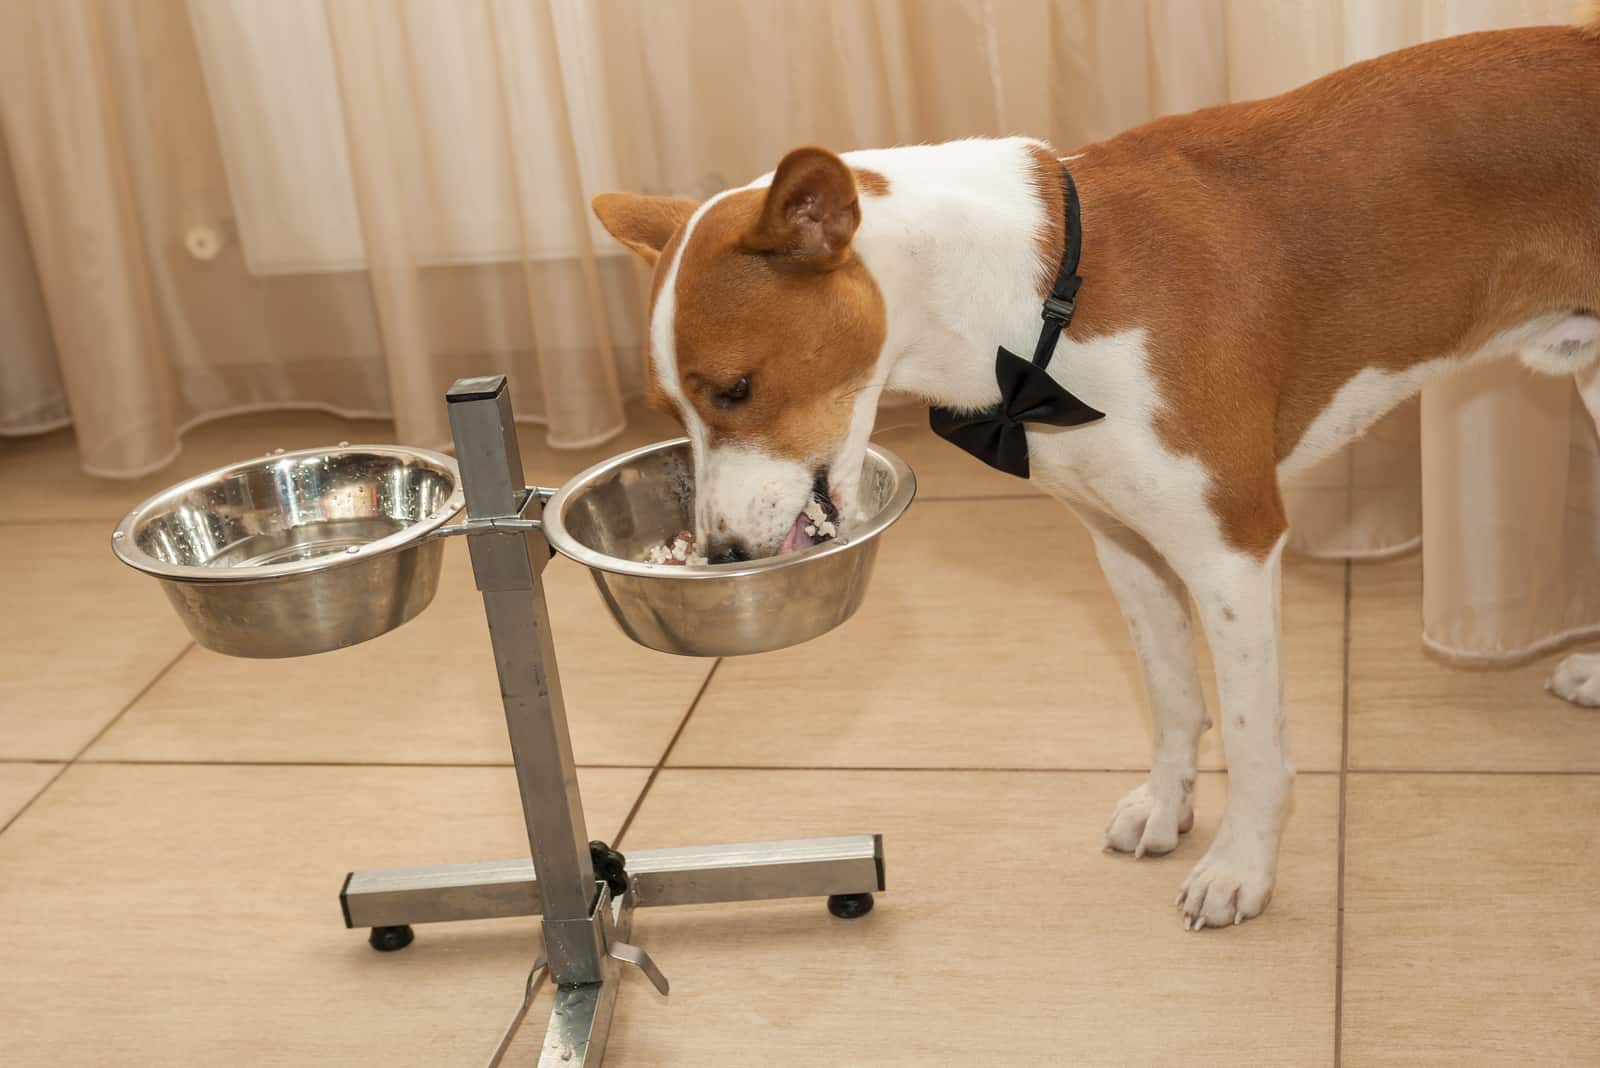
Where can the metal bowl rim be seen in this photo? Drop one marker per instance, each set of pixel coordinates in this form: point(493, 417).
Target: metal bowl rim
point(128, 551)
point(555, 530)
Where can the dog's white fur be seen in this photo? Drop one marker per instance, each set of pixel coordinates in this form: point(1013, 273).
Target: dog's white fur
point(952, 248)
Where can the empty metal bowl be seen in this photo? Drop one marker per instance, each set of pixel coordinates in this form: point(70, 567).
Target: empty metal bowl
point(608, 518)
point(298, 552)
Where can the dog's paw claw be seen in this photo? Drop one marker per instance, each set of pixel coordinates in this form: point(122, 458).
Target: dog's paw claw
point(1145, 827)
point(1224, 890)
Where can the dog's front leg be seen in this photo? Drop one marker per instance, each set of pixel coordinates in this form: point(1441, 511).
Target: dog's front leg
point(1237, 596)
point(1150, 819)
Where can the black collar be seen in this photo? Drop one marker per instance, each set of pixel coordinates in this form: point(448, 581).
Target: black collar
point(998, 435)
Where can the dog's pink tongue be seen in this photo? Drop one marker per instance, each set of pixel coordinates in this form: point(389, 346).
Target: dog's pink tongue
point(797, 538)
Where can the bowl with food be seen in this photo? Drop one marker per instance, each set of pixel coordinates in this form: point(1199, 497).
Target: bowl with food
point(630, 521)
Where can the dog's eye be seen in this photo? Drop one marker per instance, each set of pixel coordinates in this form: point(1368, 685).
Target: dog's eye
point(734, 395)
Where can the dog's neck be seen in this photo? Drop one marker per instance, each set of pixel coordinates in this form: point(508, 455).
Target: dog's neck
point(954, 248)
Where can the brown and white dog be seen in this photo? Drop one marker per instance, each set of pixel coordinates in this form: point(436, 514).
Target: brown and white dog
point(1262, 281)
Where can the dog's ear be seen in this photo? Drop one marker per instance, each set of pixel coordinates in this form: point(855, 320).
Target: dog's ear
point(810, 213)
point(644, 224)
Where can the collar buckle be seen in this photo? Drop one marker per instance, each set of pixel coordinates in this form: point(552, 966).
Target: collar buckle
point(1060, 309)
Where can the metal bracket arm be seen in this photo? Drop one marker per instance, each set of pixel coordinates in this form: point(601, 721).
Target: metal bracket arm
point(517, 524)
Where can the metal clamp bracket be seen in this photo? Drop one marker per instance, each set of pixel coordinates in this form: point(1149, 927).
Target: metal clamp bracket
point(574, 947)
point(634, 955)
point(585, 1019)
point(517, 524)
point(536, 978)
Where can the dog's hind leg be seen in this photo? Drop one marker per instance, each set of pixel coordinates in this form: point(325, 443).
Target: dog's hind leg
point(1577, 678)
point(1150, 819)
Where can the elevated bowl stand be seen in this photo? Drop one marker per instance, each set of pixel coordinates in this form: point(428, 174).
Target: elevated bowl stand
point(584, 891)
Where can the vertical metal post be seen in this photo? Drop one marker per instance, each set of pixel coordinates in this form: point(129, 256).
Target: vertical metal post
point(507, 569)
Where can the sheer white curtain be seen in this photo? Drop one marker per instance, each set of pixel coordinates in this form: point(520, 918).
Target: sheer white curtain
point(215, 205)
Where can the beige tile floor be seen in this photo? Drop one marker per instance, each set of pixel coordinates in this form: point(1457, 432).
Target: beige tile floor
point(176, 824)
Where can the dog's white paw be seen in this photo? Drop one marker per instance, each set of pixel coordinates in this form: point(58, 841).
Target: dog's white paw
point(1142, 825)
point(1577, 679)
point(1231, 884)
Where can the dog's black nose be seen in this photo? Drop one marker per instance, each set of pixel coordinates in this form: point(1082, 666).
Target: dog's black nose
point(728, 552)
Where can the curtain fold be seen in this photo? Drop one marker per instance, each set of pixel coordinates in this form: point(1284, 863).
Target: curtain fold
point(209, 206)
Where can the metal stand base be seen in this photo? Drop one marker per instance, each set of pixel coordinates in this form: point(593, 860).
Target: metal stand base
point(697, 875)
point(584, 892)
point(845, 870)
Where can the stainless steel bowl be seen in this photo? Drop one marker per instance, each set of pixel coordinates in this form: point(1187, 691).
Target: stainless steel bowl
point(298, 552)
point(608, 518)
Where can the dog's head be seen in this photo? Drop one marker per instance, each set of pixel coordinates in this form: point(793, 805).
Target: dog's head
point(765, 336)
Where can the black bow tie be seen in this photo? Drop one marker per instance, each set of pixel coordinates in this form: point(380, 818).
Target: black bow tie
point(998, 435)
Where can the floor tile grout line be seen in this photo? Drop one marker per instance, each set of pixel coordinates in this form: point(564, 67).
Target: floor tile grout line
point(1474, 771)
point(1344, 789)
point(158, 762)
point(67, 765)
point(920, 769)
point(954, 768)
point(655, 772)
point(40, 792)
point(135, 699)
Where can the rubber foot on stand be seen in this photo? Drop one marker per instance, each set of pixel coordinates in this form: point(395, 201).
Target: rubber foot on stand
point(850, 906)
point(391, 939)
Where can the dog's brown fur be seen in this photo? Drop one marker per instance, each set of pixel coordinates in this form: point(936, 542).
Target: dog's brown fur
point(760, 264)
point(1398, 210)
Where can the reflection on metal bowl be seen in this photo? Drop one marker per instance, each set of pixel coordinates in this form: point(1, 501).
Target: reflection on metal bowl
point(298, 552)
